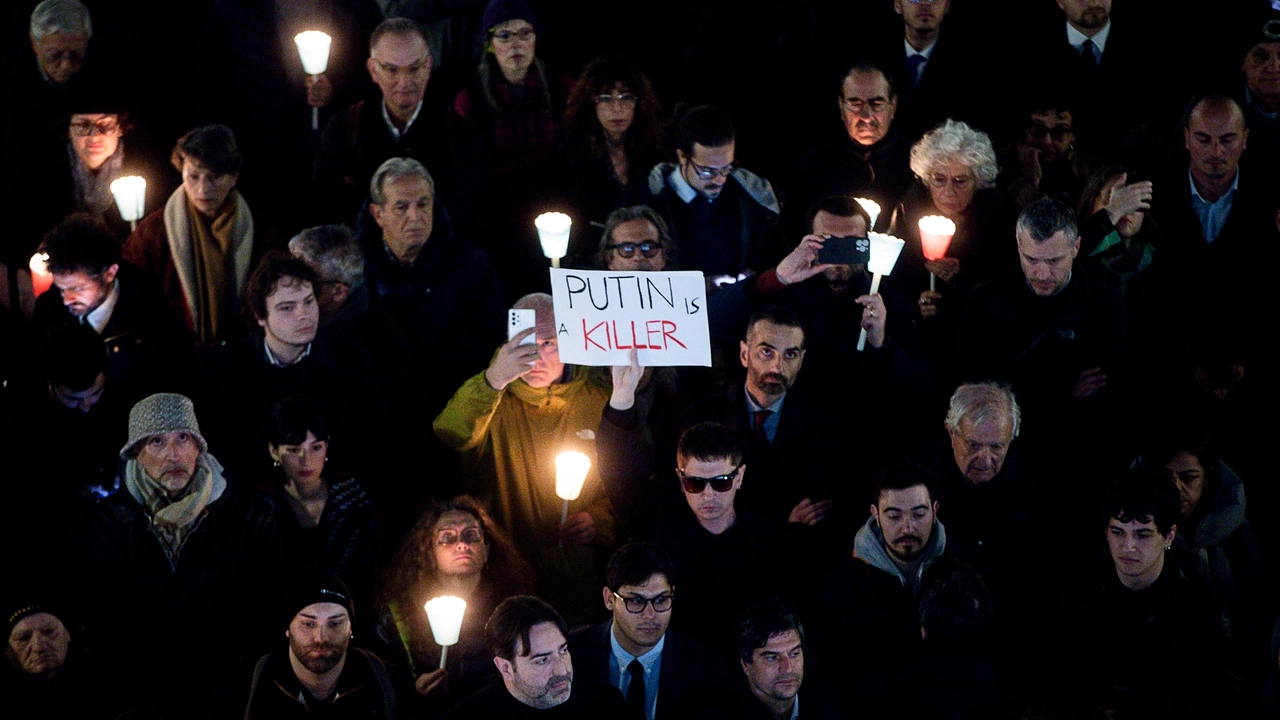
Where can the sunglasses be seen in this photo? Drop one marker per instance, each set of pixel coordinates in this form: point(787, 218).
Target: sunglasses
point(470, 536)
point(628, 250)
point(695, 485)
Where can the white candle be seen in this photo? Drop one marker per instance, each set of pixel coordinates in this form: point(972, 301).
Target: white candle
point(553, 234)
point(872, 208)
point(313, 49)
point(885, 250)
point(571, 474)
point(130, 193)
point(444, 614)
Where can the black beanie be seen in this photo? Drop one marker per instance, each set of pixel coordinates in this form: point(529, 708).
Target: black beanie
point(316, 585)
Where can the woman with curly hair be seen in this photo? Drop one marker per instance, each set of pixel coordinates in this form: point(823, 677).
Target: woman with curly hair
point(613, 131)
point(955, 169)
point(455, 548)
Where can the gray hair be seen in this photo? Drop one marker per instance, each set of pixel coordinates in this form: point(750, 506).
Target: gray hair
point(333, 252)
point(954, 140)
point(636, 212)
point(983, 402)
point(1045, 218)
point(67, 17)
point(394, 169)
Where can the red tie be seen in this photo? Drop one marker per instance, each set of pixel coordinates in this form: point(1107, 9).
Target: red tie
point(760, 417)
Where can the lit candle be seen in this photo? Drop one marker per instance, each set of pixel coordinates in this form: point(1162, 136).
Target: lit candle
point(41, 278)
point(313, 48)
point(444, 613)
point(935, 237)
point(571, 473)
point(130, 193)
point(553, 233)
point(885, 250)
point(872, 208)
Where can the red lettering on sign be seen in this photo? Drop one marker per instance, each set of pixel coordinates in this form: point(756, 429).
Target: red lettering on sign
point(587, 340)
point(666, 334)
point(650, 331)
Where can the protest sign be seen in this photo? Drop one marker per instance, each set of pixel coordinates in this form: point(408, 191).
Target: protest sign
point(602, 315)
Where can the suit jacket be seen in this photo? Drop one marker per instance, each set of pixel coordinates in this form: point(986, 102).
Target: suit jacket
point(954, 83)
point(692, 683)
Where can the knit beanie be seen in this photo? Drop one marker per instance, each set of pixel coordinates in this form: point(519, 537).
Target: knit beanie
point(1261, 26)
point(159, 414)
point(317, 585)
point(500, 11)
point(16, 611)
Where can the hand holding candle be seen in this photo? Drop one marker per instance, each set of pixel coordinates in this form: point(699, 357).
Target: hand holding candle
point(553, 234)
point(935, 237)
point(444, 613)
point(313, 49)
point(571, 474)
point(885, 250)
point(130, 193)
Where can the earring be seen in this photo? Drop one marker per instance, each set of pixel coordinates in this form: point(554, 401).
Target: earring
point(1169, 546)
point(275, 463)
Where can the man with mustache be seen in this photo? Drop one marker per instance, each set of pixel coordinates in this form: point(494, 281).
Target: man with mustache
point(320, 675)
point(662, 673)
point(176, 570)
point(771, 649)
point(527, 638)
point(881, 579)
point(869, 159)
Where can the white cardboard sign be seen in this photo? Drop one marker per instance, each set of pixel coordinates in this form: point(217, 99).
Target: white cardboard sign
point(602, 315)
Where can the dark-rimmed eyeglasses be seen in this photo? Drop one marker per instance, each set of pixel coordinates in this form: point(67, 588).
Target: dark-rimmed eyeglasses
point(636, 605)
point(506, 36)
point(706, 173)
point(105, 126)
point(628, 250)
point(959, 183)
point(695, 485)
point(470, 536)
point(1039, 132)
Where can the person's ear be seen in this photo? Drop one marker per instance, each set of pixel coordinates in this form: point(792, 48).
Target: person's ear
point(1186, 137)
point(742, 473)
point(504, 668)
point(742, 352)
point(109, 275)
point(341, 292)
point(372, 66)
point(262, 323)
point(935, 508)
point(608, 599)
point(680, 157)
point(1173, 532)
point(376, 211)
point(274, 452)
point(875, 512)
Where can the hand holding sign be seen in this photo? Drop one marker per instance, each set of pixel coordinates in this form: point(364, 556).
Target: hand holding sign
point(513, 360)
point(626, 379)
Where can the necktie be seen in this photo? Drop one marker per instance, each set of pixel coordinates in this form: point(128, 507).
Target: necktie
point(915, 65)
point(758, 419)
point(635, 691)
point(1089, 53)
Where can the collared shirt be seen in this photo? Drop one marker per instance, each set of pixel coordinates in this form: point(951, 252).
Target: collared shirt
point(386, 117)
point(795, 709)
point(271, 357)
point(683, 189)
point(651, 661)
point(1078, 39)
point(771, 422)
point(1212, 215)
point(101, 315)
point(926, 53)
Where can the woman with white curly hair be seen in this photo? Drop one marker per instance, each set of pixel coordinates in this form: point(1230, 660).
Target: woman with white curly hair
point(955, 169)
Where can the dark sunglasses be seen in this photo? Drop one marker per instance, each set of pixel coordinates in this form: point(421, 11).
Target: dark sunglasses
point(628, 250)
point(695, 485)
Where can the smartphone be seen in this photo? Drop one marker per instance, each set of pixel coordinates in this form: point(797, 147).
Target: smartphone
point(845, 251)
point(518, 320)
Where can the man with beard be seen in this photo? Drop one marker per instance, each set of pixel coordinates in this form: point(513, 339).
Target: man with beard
point(771, 652)
point(869, 159)
point(320, 675)
point(527, 638)
point(786, 435)
point(176, 571)
point(868, 605)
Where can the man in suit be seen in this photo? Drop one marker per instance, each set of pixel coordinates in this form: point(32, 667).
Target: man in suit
point(661, 672)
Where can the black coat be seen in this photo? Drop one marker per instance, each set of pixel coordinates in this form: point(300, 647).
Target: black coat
point(693, 680)
point(587, 702)
point(148, 347)
point(356, 141)
point(840, 166)
point(163, 634)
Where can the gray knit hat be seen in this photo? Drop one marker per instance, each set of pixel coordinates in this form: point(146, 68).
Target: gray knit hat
point(159, 414)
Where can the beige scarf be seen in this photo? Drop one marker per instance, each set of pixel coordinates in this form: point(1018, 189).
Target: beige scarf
point(211, 259)
point(173, 520)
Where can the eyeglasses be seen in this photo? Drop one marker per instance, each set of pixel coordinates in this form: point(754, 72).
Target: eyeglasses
point(1039, 132)
point(706, 173)
point(858, 105)
point(937, 182)
point(105, 126)
point(636, 605)
point(628, 250)
point(695, 485)
point(470, 536)
point(506, 36)
point(619, 99)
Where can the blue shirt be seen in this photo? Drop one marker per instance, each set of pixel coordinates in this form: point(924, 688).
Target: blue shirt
point(1213, 215)
point(771, 422)
point(651, 661)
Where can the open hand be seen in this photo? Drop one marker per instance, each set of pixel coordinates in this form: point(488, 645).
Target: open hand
point(810, 512)
point(626, 378)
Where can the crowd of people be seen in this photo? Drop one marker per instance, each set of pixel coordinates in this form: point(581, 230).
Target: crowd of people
point(248, 435)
